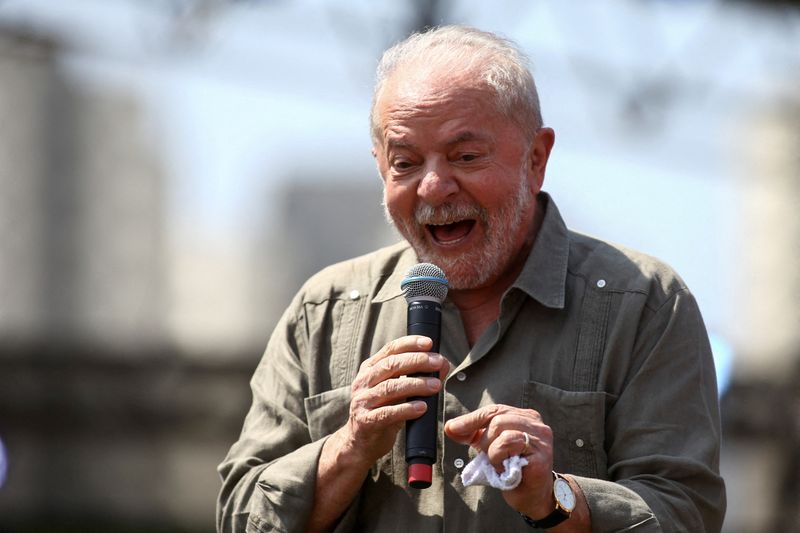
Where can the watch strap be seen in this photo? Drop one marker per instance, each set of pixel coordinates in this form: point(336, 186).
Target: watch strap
point(558, 515)
point(551, 520)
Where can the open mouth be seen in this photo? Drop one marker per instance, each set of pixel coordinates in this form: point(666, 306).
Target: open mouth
point(453, 233)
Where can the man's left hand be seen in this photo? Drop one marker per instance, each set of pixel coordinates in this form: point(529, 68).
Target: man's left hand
point(499, 430)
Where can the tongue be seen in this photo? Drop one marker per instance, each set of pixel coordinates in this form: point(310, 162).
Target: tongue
point(451, 232)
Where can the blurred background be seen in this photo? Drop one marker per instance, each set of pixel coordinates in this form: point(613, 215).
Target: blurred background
point(172, 171)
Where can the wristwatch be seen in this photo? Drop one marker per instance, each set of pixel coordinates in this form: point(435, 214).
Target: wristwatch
point(565, 504)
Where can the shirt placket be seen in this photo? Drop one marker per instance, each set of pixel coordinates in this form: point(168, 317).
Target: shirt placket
point(461, 394)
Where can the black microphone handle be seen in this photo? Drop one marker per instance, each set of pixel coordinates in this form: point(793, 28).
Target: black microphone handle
point(424, 318)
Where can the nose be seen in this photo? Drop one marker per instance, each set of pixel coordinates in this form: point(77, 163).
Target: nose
point(437, 185)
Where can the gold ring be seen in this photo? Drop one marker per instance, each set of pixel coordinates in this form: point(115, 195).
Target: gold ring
point(527, 443)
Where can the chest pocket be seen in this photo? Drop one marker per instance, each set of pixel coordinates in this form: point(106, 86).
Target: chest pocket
point(350, 341)
point(577, 419)
point(577, 416)
point(328, 411)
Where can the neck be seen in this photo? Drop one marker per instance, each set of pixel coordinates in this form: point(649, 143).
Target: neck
point(479, 307)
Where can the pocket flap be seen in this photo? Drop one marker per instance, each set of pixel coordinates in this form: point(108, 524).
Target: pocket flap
point(577, 419)
point(328, 411)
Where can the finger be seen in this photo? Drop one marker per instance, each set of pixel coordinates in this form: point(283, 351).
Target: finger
point(507, 444)
point(390, 415)
point(467, 429)
point(409, 343)
point(405, 364)
point(482, 426)
point(376, 430)
point(397, 390)
point(401, 345)
point(522, 420)
point(513, 442)
point(444, 371)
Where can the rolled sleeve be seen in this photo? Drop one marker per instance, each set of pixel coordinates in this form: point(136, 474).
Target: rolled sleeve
point(614, 507)
point(284, 494)
point(269, 475)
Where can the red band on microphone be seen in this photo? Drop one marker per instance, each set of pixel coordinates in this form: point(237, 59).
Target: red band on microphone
point(420, 475)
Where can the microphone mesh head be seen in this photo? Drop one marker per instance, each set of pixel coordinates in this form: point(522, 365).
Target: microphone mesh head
point(425, 280)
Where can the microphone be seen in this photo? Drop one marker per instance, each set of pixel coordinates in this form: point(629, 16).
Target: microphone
point(424, 288)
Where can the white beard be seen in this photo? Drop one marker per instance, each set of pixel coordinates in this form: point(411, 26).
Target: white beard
point(486, 261)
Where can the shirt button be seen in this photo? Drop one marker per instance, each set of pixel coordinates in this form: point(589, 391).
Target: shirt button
point(601, 283)
point(459, 463)
point(579, 443)
point(461, 376)
point(354, 294)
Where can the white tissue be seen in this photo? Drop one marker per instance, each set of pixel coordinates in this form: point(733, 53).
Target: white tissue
point(480, 471)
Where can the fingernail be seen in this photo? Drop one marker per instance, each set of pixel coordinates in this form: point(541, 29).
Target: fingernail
point(435, 359)
point(454, 426)
point(432, 383)
point(419, 406)
point(423, 342)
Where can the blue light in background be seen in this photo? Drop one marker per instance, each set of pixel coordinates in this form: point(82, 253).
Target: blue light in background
point(723, 360)
point(3, 464)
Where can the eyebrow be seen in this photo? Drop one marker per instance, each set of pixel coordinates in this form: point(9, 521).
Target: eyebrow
point(467, 136)
point(397, 143)
point(462, 137)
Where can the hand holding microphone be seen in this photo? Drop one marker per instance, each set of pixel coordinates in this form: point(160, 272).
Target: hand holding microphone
point(383, 398)
point(425, 288)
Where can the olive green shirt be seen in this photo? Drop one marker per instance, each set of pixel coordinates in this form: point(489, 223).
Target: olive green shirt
point(606, 343)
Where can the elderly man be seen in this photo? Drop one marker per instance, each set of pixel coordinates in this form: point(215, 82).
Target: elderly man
point(589, 361)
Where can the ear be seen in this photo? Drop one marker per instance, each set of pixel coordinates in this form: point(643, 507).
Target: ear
point(542, 144)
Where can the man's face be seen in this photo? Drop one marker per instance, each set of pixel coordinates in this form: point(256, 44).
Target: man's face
point(460, 178)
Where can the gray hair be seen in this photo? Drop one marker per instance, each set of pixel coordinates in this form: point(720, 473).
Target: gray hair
point(497, 62)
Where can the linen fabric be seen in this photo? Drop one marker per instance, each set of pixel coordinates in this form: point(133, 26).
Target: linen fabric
point(606, 343)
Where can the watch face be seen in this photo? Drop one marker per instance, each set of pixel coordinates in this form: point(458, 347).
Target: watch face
point(564, 494)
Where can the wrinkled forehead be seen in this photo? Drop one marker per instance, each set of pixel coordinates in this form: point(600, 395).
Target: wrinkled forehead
point(419, 88)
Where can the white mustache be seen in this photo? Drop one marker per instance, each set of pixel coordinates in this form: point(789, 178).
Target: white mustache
point(448, 213)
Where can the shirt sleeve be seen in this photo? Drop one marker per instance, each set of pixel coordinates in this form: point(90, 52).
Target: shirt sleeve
point(663, 432)
point(269, 475)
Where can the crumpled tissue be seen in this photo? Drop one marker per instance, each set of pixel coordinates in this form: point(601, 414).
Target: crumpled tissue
point(480, 471)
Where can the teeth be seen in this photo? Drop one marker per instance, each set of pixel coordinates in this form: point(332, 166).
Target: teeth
point(444, 223)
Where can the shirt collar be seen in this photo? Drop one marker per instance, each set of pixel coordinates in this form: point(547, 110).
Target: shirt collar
point(390, 287)
point(543, 277)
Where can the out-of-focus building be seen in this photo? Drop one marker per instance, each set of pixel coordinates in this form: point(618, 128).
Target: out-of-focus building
point(101, 423)
point(126, 346)
point(82, 207)
point(761, 411)
point(769, 334)
point(27, 71)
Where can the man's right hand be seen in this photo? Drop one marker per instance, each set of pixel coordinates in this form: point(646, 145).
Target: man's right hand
point(378, 408)
point(379, 405)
